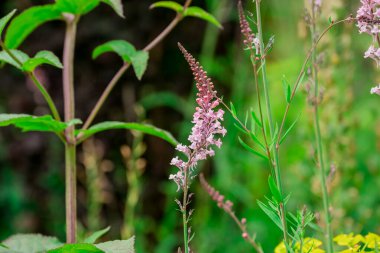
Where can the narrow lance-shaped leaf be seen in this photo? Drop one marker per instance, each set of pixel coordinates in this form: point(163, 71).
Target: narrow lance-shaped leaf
point(197, 12)
point(288, 131)
point(287, 89)
point(25, 23)
point(270, 213)
point(42, 57)
point(116, 5)
point(233, 110)
point(4, 21)
point(248, 148)
point(168, 5)
point(274, 189)
point(256, 140)
point(145, 128)
point(95, 236)
point(256, 119)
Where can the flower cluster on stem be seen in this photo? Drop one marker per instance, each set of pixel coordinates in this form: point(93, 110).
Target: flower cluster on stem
point(207, 125)
point(368, 21)
point(250, 39)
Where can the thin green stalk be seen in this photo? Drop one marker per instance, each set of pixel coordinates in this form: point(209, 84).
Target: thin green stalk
point(184, 215)
point(317, 130)
point(70, 146)
point(277, 169)
point(46, 95)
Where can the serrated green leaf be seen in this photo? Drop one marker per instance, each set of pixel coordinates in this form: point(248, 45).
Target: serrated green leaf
point(287, 90)
point(288, 131)
point(31, 243)
point(119, 246)
point(121, 47)
point(117, 5)
point(42, 57)
point(198, 12)
point(77, 248)
point(248, 148)
point(168, 5)
point(270, 213)
point(95, 236)
point(32, 123)
point(19, 55)
point(256, 119)
point(25, 23)
point(145, 128)
point(4, 21)
point(77, 7)
point(274, 189)
point(140, 63)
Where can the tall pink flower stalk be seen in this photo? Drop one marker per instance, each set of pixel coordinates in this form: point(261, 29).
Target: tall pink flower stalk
point(368, 21)
point(207, 126)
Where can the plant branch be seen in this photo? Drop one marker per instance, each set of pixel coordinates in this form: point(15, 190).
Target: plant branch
point(126, 65)
point(302, 72)
point(318, 137)
point(276, 166)
point(70, 145)
point(38, 84)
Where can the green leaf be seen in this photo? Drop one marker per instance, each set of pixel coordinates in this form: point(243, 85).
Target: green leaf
point(121, 47)
point(19, 55)
point(248, 148)
point(256, 140)
point(25, 23)
point(233, 109)
point(116, 5)
point(145, 128)
point(270, 213)
point(4, 21)
point(77, 248)
point(274, 189)
point(256, 119)
point(119, 246)
point(95, 236)
point(140, 63)
point(202, 14)
point(42, 57)
point(32, 123)
point(31, 243)
point(287, 89)
point(168, 5)
point(288, 131)
point(77, 7)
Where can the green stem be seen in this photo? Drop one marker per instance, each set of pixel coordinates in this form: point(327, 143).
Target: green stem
point(70, 147)
point(317, 130)
point(277, 169)
point(46, 95)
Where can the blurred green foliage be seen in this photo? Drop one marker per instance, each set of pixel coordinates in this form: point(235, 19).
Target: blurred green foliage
point(33, 201)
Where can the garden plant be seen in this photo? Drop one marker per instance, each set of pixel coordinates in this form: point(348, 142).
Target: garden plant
point(257, 130)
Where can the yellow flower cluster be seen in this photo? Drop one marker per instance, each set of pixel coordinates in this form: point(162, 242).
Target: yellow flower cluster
point(347, 243)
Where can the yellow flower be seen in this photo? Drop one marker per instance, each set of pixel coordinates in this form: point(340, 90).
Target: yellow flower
point(310, 245)
point(348, 239)
point(280, 248)
point(371, 240)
